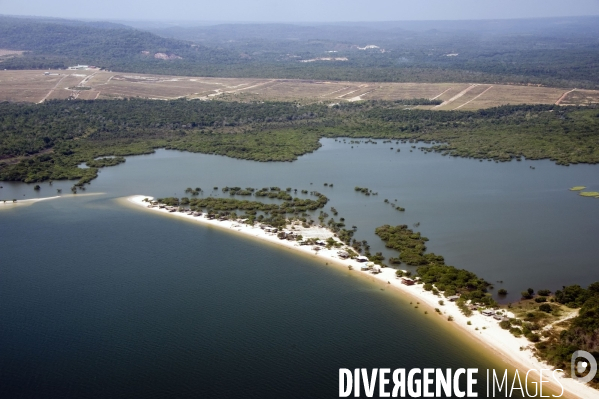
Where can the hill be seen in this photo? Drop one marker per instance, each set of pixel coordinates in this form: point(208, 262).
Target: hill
point(549, 52)
point(58, 44)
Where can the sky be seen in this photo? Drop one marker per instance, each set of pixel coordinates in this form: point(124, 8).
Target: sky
point(298, 10)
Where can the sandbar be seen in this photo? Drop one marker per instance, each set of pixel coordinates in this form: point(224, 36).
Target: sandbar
point(484, 329)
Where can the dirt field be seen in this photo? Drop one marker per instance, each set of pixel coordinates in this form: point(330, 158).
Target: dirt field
point(37, 86)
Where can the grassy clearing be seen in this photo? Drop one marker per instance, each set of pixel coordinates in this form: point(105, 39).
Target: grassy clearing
point(577, 188)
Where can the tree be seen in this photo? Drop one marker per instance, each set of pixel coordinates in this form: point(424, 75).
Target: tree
point(545, 308)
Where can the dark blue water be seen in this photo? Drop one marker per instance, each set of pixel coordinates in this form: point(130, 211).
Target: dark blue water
point(506, 222)
point(101, 300)
point(97, 300)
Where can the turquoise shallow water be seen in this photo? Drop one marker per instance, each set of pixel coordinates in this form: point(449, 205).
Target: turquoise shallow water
point(100, 300)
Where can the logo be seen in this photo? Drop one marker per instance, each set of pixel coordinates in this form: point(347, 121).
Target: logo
point(581, 366)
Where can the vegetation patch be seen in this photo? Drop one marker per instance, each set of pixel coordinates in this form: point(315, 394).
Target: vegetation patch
point(577, 333)
point(577, 188)
point(418, 101)
point(80, 131)
point(364, 190)
point(432, 269)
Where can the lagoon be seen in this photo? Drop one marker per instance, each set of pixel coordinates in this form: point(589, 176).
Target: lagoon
point(102, 300)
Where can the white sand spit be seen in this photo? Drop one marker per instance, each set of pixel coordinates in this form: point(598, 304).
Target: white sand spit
point(484, 329)
point(8, 204)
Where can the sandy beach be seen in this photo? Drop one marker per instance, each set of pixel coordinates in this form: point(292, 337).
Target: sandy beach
point(9, 204)
point(484, 329)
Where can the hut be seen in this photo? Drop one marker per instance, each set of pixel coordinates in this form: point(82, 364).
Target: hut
point(362, 259)
point(453, 298)
point(343, 254)
point(407, 281)
point(376, 269)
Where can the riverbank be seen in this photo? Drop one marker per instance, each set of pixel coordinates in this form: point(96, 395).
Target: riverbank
point(484, 329)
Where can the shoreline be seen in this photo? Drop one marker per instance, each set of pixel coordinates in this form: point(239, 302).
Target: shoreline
point(500, 342)
point(9, 204)
point(27, 202)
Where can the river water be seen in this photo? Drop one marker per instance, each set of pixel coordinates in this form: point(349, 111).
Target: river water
point(101, 300)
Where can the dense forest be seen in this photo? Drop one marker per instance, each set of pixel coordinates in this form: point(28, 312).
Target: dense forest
point(548, 52)
point(48, 141)
point(56, 44)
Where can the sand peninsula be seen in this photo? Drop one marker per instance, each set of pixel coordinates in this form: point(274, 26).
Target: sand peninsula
point(9, 204)
point(12, 204)
point(485, 329)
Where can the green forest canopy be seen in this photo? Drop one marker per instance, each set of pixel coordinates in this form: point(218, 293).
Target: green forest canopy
point(48, 141)
point(548, 56)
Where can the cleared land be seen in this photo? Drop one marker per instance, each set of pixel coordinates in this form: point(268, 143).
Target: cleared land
point(37, 86)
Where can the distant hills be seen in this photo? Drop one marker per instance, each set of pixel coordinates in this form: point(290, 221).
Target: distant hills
point(58, 43)
point(560, 52)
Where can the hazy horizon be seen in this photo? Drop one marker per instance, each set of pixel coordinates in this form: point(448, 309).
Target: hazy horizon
point(310, 11)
